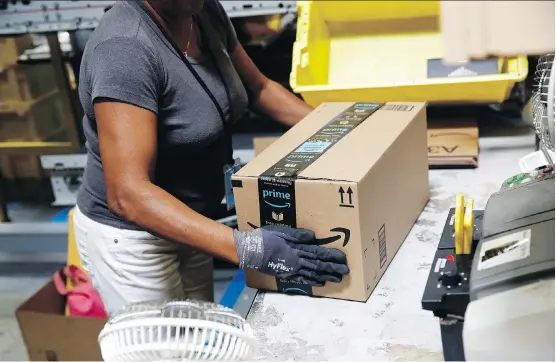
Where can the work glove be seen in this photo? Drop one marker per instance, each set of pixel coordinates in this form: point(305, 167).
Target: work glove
point(287, 253)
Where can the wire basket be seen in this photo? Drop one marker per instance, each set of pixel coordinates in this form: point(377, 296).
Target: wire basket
point(543, 104)
point(177, 331)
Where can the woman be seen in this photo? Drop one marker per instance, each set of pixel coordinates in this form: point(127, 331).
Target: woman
point(161, 81)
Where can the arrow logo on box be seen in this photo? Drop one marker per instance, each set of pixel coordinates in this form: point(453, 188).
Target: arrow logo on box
point(346, 233)
point(343, 231)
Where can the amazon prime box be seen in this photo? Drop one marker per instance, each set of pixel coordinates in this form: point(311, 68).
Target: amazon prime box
point(354, 173)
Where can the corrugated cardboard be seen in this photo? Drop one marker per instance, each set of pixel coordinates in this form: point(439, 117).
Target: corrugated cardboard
point(453, 143)
point(479, 29)
point(261, 143)
point(12, 48)
point(363, 193)
point(51, 336)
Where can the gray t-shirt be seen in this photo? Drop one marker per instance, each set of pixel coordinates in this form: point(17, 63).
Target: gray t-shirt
point(129, 59)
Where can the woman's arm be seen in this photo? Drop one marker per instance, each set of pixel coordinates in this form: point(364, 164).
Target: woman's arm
point(270, 97)
point(128, 144)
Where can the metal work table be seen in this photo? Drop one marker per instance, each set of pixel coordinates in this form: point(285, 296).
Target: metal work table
point(391, 324)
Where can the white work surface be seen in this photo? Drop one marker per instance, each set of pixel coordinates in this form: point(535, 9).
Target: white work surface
point(391, 325)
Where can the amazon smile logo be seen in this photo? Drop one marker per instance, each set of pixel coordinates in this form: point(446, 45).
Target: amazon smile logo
point(282, 197)
point(341, 233)
point(331, 239)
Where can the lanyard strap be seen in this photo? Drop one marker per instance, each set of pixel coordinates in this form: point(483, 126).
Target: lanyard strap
point(206, 41)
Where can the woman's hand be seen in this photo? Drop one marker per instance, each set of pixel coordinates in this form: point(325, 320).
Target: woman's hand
point(287, 253)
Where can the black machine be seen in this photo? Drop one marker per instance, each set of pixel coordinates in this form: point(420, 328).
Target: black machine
point(510, 250)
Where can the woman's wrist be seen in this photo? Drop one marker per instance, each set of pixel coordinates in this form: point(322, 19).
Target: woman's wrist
point(226, 248)
point(250, 249)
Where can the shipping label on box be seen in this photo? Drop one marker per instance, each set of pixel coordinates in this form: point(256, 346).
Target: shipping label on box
point(354, 173)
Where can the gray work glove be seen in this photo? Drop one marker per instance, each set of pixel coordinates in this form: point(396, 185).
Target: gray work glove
point(287, 253)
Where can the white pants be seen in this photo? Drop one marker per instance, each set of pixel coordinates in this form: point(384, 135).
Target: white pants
point(127, 266)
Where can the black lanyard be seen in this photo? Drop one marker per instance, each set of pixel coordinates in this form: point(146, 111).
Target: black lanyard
point(201, 82)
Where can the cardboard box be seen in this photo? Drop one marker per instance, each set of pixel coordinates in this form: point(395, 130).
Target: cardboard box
point(354, 173)
point(453, 143)
point(12, 48)
point(51, 336)
point(479, 29)
point(261, 143)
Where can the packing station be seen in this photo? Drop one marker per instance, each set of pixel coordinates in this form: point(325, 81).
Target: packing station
point(187, 180)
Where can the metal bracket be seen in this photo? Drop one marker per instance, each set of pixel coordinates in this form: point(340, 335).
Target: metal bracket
point(67, 15)
point(65, 176)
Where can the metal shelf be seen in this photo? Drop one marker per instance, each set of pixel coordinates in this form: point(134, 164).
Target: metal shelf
point(68, 15)
point(238, 9)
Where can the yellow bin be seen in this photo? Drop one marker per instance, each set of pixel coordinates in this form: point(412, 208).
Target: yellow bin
point(378, 51)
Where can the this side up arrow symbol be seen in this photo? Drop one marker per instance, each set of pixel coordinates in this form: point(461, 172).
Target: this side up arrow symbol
point(350, 192)
point(341, 191)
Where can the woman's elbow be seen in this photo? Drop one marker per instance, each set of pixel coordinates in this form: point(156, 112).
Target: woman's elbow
point(121, 201)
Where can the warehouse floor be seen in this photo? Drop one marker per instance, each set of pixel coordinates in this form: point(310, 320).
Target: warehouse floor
point(16, 288)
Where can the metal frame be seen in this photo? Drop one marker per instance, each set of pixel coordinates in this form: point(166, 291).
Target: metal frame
point(238, 9)
point(67, 15)
point(48, 16)
point(25, 237)
point(62, 81)
point(63, 170)
point(68, 112)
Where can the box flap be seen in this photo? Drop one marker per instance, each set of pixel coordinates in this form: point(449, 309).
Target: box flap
point(46, 300)
point(353, 155)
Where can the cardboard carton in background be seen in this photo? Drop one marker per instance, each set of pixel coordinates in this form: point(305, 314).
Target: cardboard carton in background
point(261, 143)
point(363, 192)
point(51, 336)
point(12, 48)
point(453, 143)
point(478, 29)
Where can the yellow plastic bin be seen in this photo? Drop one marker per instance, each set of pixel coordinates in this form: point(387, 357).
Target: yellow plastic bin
point(378, 51)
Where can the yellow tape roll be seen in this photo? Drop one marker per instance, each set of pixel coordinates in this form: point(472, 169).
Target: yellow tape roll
point(468, 219)
point(458, 224)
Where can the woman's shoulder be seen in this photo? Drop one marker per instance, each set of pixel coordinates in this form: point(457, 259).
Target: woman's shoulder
point(214, 9)
point(120, 45)
point(122, 24)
